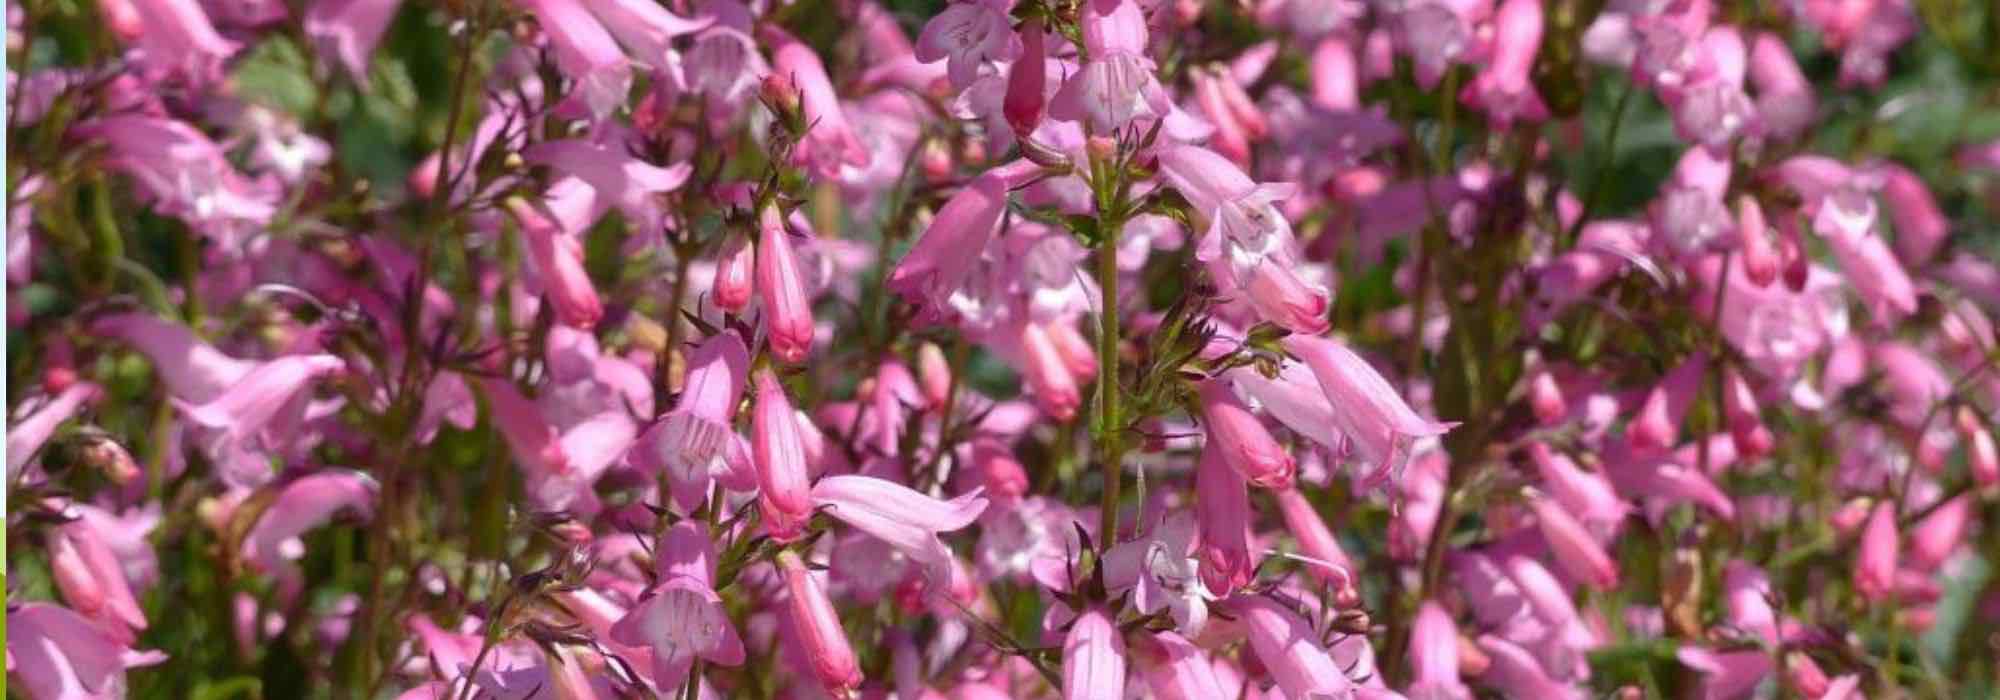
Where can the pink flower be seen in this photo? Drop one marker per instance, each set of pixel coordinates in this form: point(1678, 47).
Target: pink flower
point(934, 371)
point(1248, 241)
point(971, 34)
point(617, 176)
point(1054, 386)
point(1176, 669)
point(52, 652)
point(1290, 649)
point(1875, 561)
point(1380, 424)
point(1875, 273)
point(586, 53)
point(1785, 101)
point(1759, 257)
point(787, 310)
point(1516, 673)
point(1093, 659)
point(178, 39)
point(696, 441)
point(682, 617)
point(723, 65)
point(345, 32)
point(1576, 551)
point(305, 503)
point(905, 519)
point(1118, 85)
point(1240, 440)
point(830, 142)
point(785, 489)
point(1588, 495)
point(646, 29)
point(92, 579)
point(819, 630)
point(263, 409)
point(1329, 563)
point(1434, 656)
point(1921, 227)
point(557, 257)
point(1504, 88)
point(1222, 507)
point(735, 273)
point(947, 253)
point(1725, 675)
point(1027, 81)
point(183, 171)
point(27, 435)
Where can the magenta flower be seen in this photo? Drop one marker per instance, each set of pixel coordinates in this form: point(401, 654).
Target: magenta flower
point(1027, 81)
point(178, 39)
point(301, 505)
point(557, 257)
point(1093, 658)
point(934, 270)
point(1378, 422)
point(92, 579)
point(182, 171)
point(1575, 549)
point(1875, 560)
point(345, 32)
point(263, 408)
point(28, 433)
point(1328, 562)
point(1434, 656)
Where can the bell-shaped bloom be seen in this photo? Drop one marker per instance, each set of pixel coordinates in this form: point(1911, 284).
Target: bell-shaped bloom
point(305, 503)
point(557, 258)
point(178, 39)
point(1294, 398)
point(735, 275)
point(1248, 242)
point(586, 53)
point(1048, 376)
point(784, 484)
point(1876, 275)
point(55, 654)
point(819, 632)
point(1739, 409)
point(1785, 101)
point(1161, 570)
point(829, 142)
point(970, 35)
point(617, 176)
point(934, 373)
point(1504, 89)
point(1290, 650)
point(92, 579)
point(1518, 674)
point(1222, 507)
point(1434, 656)
point(723, 65)
point(1934, 538)
point(1921, 227)
point(345, 32)
point(696, 441)
point(1876, 558)
point(1118, 84)
point(1175, 669)
point(646, 29)
point(1576, 551)
point(263, 408)
point(1027, 81)
point(1734, 674)
point(1093, 658)
point(934, 270)
point(788, 315)
point(904, 518)
point(182, 171)
point(1549, 601)
point(28, 433)
point(1434, 35)
point(1240, 440)
point(1588, 495)
point(1328, 562)
point(682, 618)
point(1379, 423)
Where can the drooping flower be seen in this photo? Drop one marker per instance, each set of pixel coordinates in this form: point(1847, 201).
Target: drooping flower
point(1290, 650)
point(1093, 658)
point(784, 488)
point(970, 35)
point(904, 518)
point(812, 614)
point(1368, 411)
point(788, 316)
point(1118, 85)
point(696, 441)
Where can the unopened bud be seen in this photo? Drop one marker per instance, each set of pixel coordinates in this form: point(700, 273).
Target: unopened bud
point(110, 458)
point(1101, 148)
point(780, 94)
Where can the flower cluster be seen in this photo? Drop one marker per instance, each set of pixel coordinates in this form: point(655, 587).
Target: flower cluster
point(1079, 349)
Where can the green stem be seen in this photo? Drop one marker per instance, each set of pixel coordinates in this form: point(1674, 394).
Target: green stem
point(1110, 421)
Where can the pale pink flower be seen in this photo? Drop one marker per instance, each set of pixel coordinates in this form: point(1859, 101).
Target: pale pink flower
point(1175, 669)
point(906, 519)
point(178, 39)
point(1222, 507)
point(263, 409)
point(1875, 560)
point(55, 654)
point(1239, 439)
point(1290, 649)
point(301, 505)
point(972, 35)
point(1377, 421)
point(830, 142)
point(1434, 656)
point(28, 433)
point(1118, 85)
point(646, 29)
point(682, 618)
point(345, 32)
point(697, 441)
point(184, 172)
point(788, 318)
point(1504, 89)
point(1575, 549)
point(587, 54)
point(784, 488)
point(557, 257)
point(1093, 658)
point(1327, 561)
